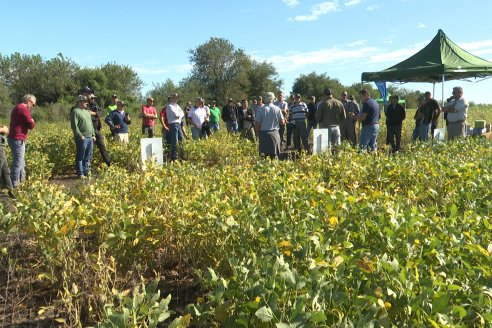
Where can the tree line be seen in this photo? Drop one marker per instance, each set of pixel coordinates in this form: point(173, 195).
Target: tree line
point(219, 71)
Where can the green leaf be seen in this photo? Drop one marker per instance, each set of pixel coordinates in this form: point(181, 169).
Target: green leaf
point(317, 317)
point(459, 310)
point(265, 314)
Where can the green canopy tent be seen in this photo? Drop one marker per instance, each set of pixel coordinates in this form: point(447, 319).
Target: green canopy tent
point(441, 60)
point(386, 100)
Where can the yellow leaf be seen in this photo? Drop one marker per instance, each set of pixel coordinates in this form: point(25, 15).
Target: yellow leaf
point(284, 243)
point(387, 305)
point(333, 221)
point(257, 299)
point(322, 263)
point(60, 320)
point(288, 253)
point(135, 242)
point(64, 229)
point(82, 223)
point(337, 261)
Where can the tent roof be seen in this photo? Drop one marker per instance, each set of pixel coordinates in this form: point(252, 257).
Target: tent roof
point(440, 56)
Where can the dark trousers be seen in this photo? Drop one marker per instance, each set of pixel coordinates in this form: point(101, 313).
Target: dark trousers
point(393, 136)
point(4, 170)
point(290, 130)
point(102, 147)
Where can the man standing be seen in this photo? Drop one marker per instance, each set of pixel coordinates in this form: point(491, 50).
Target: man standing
point(214, 117)
point(298, 113)
point(246, 119)
point(149, 114)
point(229, 116)
point(20, 123)
point(330, 115)
point(435, 109)
point(457, 111)
point(284, 107)
point(118, 120)
point(112, 107)
point(311, 115)
point(268, 120)
point(174, 114)
point(369, 117)
point(96, 114)
point(395, 114)
point(84, 136)
point(347, 129)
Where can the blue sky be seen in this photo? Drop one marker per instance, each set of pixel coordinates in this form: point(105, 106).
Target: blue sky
point(340, 38)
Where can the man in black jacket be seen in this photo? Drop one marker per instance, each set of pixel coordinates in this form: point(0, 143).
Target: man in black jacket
point(395, 114)
point(229, 116)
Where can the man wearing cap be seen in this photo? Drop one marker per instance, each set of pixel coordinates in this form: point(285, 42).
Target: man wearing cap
point(149, 114)
point(457, 111)
point(214, 117)
point(96, 114)
point(198, 115)
point(118, 120)
point(347, 128)
point(229, 116)
point(112, 107)
point(284, 107)
point(84, 136)
point(369, 116)
point(21, 122)
point(298, 112)
point(174, 114)
point(330, 115)
point(268, 120)
point(436, 111)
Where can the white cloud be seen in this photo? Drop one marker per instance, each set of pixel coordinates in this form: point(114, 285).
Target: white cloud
point(397, 55)
point(421, 25)
point(291, 3)
point(372, 7)
point(356, 43)
point(317, 10)
point(352, 3)
point(297, 60)
point(151, 70)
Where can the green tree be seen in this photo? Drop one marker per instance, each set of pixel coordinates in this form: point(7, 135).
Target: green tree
point(161, 91)
point(263, 77)
point(314, 84)
point(219, 67)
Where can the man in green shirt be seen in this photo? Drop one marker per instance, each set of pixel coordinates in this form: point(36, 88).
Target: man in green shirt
point(84, 135)
point(214, 117)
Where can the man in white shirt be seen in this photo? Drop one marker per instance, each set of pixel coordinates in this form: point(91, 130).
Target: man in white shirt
point(457, 111)
point(174, 115)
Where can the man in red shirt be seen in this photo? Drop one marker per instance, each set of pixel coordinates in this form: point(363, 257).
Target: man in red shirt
point(149, 114)
point(21, 122)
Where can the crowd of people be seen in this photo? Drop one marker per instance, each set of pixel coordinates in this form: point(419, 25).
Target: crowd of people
point(270, 120)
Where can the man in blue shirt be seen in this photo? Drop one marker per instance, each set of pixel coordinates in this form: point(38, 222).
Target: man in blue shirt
point(369, 117)
point(118, 120)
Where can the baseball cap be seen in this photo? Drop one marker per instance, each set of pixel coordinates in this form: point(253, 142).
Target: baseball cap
point(121, 102)
point(82, 98)
point(86, 89)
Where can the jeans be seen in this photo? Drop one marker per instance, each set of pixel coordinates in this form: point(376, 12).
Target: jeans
point(214, 126)
point(196, 133)
point(232, 126)
point(148, 130)
point(421, 132)
point(369, 137)
point(175, 135)
point(83, 155)
point(18, 150)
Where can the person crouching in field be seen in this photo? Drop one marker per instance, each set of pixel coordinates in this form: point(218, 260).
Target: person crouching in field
point(119, 121)
point(84, 135)
point(4, 167)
